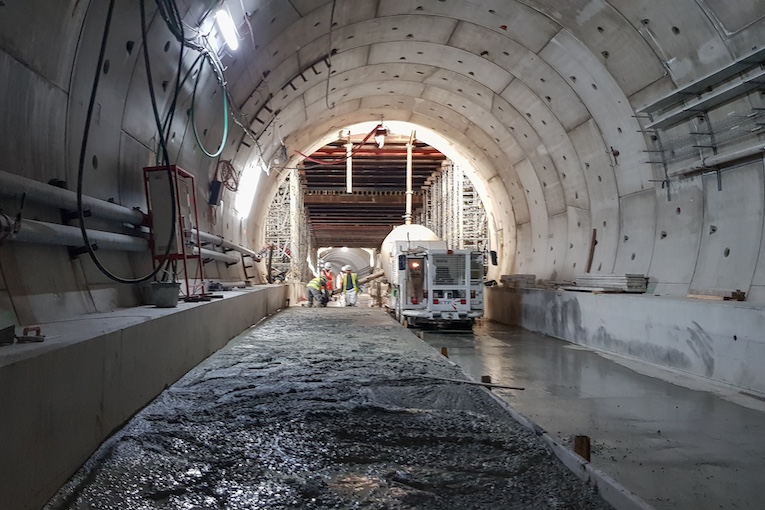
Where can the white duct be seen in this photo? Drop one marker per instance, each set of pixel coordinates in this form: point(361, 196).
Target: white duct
point(39, 232)
point(47, 194)
point(219, 241)
point(408, 214)
point(216, 255)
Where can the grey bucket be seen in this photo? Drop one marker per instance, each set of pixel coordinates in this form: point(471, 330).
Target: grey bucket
point(165, 294)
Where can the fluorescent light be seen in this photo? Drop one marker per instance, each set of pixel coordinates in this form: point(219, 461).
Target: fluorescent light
point(227, 28)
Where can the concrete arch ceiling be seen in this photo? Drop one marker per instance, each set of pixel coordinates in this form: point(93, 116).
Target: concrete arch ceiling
point(538, 95)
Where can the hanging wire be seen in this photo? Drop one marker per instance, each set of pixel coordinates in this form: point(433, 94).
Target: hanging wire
point(84, 147)
point(329, 55)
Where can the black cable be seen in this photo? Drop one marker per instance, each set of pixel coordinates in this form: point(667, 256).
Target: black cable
point(83, 150)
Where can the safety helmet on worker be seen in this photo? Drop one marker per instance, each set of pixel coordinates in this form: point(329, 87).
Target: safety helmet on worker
point(327, 265)
point(346, 267)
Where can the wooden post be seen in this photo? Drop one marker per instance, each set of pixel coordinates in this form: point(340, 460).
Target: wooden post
point(582, 447)
point(445, 351)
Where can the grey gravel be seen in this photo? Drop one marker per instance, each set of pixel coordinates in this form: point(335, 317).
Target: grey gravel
point(323, 409)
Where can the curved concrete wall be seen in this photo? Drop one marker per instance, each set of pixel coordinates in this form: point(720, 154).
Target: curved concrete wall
point(540, 95)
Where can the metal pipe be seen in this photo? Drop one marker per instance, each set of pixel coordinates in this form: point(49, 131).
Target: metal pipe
point(219, 241)
point(723, 159)
point(46, 194)
point(216, 255)
point(39, 232)
point(408, 214)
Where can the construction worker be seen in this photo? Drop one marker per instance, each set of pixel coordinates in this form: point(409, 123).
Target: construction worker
point(329, 276)
point(316, 289)
point(350, 286)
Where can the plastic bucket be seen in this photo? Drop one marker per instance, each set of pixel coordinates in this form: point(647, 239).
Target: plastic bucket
point(165, 294)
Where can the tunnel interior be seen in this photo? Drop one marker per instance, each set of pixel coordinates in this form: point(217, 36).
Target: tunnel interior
point(601, 137)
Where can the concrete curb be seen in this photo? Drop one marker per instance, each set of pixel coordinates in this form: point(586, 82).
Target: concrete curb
point(609, 489)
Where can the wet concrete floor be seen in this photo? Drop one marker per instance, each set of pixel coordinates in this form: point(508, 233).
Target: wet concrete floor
point(686, 444)
point(324, 408)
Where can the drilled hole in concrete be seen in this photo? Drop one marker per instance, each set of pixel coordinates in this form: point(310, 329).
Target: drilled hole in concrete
point(563, 175)
point(204, 133)
point(317, 23)
point(600, 179)
point(632, 257)
point(542, 80)
point(484, 53)
point(95, 161)
point(564, 158)
point(525, 135)
point(544, 184)
point(505, 53)
point(491, 11)
point(600, 266)
point(645, 21)
point(663, 234)
point(677, 210)
point(712, 229)
point(626, 238)
point(164, 85)
point(528, 115)
point(459, 62)
point(573, 265)
point(544, 123)
point(350, 37)
point(573, 78)
point(548, 98)
point(578, 223)
point(594, 87)
point(419, 8)
point(471, 73)
point(129, 46)
point(551, 248)
point(272, 20)
point(600, 29)
point(167, 46)
point(675, 30)
point(605, 54)
point(394, 28)
point(106, 66)
point(618, 130)
point(726, 252)
point(459, 90)
point(604, 224)
point(402, 58)
point(570, 246)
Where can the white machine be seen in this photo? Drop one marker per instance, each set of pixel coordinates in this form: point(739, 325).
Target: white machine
point(429, 283)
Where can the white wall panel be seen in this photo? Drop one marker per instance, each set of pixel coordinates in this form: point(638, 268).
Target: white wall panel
point(732, 231)
point(637, 217)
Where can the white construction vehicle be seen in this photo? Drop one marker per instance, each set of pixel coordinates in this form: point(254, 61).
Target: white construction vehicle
point(429, 283)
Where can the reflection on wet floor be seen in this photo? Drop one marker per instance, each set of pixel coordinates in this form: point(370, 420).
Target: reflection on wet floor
point(674, 447)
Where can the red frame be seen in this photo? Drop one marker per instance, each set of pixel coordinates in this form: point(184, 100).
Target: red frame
point(177, 174)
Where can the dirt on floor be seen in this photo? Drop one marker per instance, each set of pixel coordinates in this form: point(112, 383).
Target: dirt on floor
point(324, 408)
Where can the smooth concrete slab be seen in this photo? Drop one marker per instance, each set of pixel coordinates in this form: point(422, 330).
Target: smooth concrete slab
point(685, 444)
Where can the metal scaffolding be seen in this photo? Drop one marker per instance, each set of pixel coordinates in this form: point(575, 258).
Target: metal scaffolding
point(286, 216)
point(454, 211)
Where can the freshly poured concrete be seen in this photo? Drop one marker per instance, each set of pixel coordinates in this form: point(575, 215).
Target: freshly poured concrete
point(686, 444)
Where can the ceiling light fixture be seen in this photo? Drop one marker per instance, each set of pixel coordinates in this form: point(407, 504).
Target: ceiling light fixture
point(380, 133)
point(227, 28)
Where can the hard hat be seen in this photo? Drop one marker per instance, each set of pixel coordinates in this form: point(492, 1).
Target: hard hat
point(327, 265)
point(346, 267)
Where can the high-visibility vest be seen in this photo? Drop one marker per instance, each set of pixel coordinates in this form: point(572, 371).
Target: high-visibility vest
point(354, 278)
point(315, 283)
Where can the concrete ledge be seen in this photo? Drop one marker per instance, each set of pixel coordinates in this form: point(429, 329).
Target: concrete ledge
point(717, 340)
point(62, 398)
